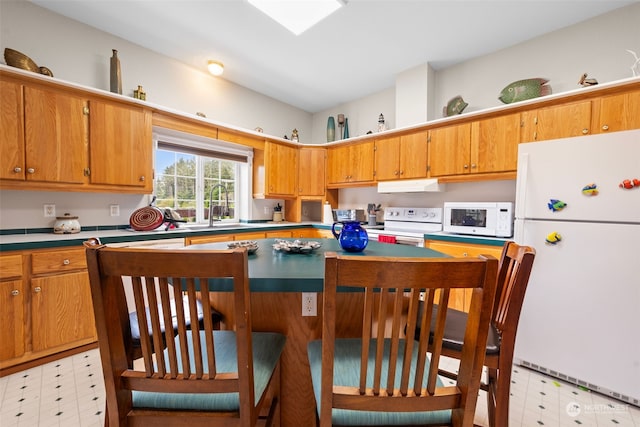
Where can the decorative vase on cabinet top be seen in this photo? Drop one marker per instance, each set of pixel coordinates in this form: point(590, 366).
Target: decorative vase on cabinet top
point(331, 129)
point(353, 237)
point(346, 129)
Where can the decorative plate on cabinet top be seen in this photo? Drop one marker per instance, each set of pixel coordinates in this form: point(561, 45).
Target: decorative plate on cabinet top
point(295, 246)
point(251, 245)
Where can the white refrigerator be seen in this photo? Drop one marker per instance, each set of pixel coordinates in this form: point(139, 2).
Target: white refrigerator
point(581, 316)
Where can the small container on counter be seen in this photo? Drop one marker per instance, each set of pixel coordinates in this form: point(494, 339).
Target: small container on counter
point(66, 224)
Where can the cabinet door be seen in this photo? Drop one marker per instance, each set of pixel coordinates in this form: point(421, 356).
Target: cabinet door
point(494, 144)
point(55, 136)
point(360, 160)
point(562, 121)
point(311, 172)
point(281, 170)
point(413, 155)
point(337, 166)
point(350, 163)
point(62, 311)
point(449, 150)
point(11, 131)
point(121, 145)
point(12, 334)
point(619, 112)
point(387, 153)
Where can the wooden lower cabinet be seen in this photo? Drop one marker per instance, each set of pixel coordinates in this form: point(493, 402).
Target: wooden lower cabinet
point(45, 304)
point(461, 299)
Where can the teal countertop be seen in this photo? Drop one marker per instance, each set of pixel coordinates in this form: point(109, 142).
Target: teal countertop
point(43, 240)
point(273, 271)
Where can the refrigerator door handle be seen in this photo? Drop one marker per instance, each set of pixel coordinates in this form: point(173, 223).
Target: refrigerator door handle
point(521, 193)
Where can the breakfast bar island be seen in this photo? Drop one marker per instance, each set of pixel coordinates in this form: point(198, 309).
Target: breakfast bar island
point(277, 280)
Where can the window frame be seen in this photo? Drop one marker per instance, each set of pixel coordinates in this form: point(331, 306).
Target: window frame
point(200, 146)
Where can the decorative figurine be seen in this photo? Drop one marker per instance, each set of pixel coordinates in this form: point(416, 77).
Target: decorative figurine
point(628, 184)
point(381, 125)
point(294, 135)
point(553, 238)
point(455, 106)
point(585, 82)
point(590, 190)
point(556, 205)
point(524, 89)
point(140, 94)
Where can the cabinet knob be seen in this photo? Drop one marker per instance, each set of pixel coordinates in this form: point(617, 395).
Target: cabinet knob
point(585, 131)
point(15, 292)
point(396, 172)
point(31, 170)
point(142, 178)
point(465, 254)
point(37, 289)
point(17, 169)
point(605, 127)
point(66, 262)
point(473, 166)
point(401, 172)
point(466, 166)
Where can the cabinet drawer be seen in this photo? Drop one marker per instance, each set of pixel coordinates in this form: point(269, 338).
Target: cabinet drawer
point(58, 261)
point(10, 266)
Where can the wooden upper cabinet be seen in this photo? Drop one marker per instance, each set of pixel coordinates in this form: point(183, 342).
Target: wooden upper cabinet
point(281, 170)
point(494, 144)
point(449, 150)
point(350, 164)
point(311, 171)
point(12, 163)
point(560, 121)
point(401, 157)
point(617, 112)
point(121, 145)
point(387, 154)
point(55, 136)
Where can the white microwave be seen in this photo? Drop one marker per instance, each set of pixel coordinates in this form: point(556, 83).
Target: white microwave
point(493, 219)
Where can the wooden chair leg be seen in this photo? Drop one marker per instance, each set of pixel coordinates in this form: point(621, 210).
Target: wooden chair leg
point(492, 382)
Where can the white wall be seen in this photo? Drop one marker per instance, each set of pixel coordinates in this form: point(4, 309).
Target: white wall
point(80, 54)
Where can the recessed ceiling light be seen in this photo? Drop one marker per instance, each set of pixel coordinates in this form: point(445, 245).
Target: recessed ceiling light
point(297, 15)
point(216, 68)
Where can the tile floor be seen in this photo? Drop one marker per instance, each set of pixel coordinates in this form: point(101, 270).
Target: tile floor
point(70, 393)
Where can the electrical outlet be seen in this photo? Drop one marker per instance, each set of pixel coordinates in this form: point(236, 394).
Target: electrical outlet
point(49, 210)
point(267, 210)
point(309, 304)
point(114, 210)
point(305, 211)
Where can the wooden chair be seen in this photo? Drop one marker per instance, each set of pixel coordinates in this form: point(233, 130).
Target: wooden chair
point(383, 379)
point(513, 276)
point(202, 377)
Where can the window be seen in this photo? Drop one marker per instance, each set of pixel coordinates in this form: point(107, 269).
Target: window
point(193, 172)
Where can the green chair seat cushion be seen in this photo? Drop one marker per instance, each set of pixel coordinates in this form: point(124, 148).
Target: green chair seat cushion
point(267, 347)
point(346, 372)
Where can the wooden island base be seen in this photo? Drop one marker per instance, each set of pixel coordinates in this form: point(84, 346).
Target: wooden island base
point(282, 312)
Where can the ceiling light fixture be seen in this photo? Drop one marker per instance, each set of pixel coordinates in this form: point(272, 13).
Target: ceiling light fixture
point(216, 68)
point(297, 15)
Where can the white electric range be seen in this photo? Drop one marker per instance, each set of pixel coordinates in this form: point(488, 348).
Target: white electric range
point(407, 226)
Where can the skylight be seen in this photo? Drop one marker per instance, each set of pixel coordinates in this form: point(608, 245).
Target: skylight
point(297, 15)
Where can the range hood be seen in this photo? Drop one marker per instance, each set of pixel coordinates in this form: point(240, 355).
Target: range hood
point(410, 186)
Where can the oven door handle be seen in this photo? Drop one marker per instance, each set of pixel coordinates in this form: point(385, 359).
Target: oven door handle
point(411, 241)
